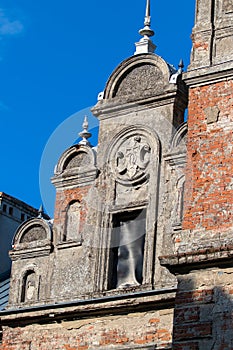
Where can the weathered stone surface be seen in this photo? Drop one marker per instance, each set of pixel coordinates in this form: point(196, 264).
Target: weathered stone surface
point(36, 233)
point(152, 209)
point(142, 81)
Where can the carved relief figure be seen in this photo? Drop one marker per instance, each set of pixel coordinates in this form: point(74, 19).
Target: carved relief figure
point(72, 221)
point(29, 287)
point(132, 158)
point(179, 200)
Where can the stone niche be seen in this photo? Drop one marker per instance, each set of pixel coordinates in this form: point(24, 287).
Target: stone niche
point(34, 233)
point(32, 246)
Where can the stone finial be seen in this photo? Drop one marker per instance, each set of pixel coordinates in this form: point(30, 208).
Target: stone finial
point(85, 134)
point(174, 77)
point(145, 45)
point(181, 66)
point(41, 212)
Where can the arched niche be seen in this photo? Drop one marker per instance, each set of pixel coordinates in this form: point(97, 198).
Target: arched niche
point(179, 201)
point(76, 167)
point(180, 137)
point(139, 76)
point(29, 287)
point(72, 222)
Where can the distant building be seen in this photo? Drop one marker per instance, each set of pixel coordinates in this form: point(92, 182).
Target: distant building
point(13, 213)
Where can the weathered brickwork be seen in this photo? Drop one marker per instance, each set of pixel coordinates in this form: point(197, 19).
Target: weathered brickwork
point(203, 312)
point(63, 199)
point(130, 330)
point(209, 183)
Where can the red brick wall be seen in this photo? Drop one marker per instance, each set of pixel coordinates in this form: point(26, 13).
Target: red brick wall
point(145, 328)
point(63, 198)
point(209, 184)
point(203, 317)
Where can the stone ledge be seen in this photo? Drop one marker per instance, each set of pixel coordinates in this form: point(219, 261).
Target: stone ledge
point(25, 253)
point(74, 179)
point(209, 75)
point(117, 304)
point(207, 257)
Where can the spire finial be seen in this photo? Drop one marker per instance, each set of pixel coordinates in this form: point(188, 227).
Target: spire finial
point(147, 17)
point(41, 211)
point(181, 66)
point(145, 45)
point(85, 134)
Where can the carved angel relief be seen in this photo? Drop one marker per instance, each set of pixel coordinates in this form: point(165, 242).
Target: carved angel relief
point(132, 159)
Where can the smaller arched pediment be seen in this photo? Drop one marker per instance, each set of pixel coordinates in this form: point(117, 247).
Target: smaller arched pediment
point(76, 159)
point(139, 76)
point(32, 233)
point(180, 136)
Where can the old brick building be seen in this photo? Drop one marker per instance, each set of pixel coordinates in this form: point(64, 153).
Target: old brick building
point(140, 252)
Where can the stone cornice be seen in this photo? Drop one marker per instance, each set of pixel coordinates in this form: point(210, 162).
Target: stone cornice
point(209, 75)
point(74, 179)
point(42, 250)
point(105, 109)
point(202, 258)
point(99, 306)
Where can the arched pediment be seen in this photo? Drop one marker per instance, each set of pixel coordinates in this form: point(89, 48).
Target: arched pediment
point(78, 158)
point(138, 77)
point(32, 232)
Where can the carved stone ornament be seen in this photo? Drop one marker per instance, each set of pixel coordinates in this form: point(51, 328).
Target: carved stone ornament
point(132, 159)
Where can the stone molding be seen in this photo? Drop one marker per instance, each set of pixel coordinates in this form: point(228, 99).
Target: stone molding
point(208, 257)
point(70, 181)
point(42, 250)
point(34, 246)
point(127, 66)
point(209, 75)
point(81, 173)
point(106, 109)
point(99, 305)
point(68, 244)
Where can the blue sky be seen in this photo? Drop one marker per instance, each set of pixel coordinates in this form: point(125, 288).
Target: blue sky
point(55, 57)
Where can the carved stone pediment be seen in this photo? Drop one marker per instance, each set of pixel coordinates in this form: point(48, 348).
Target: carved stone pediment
point(142, 81)
point(79, 160)
point(33, 237)
point(138, 77)
point(76, 166)
point(35, 233)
